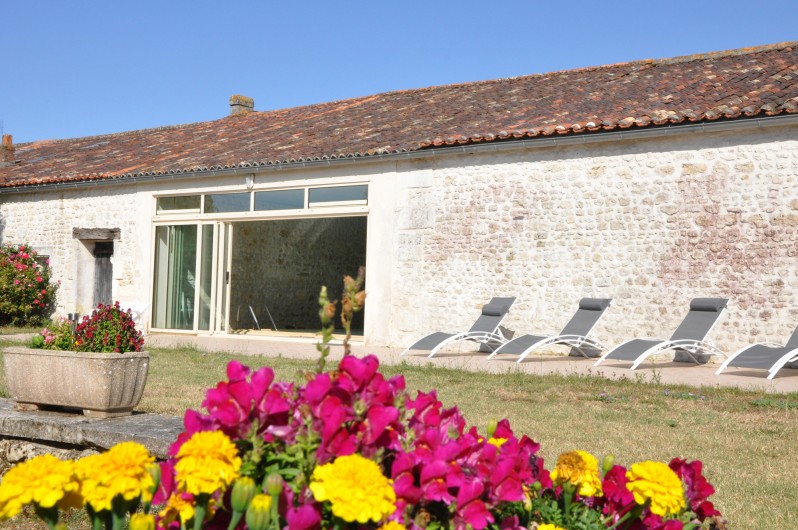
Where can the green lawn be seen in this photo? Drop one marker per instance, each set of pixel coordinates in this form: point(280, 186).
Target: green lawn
point(747, 440)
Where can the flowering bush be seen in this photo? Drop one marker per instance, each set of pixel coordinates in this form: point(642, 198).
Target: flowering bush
point(108, 329)
point(26, 294)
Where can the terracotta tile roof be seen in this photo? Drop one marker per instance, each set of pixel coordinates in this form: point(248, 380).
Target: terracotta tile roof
point(761, 81)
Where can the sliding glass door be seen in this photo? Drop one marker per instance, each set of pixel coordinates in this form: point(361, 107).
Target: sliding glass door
point(175, 276)
point(190, 280)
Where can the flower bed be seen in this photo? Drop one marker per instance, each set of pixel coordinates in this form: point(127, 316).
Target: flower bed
point(349, 448)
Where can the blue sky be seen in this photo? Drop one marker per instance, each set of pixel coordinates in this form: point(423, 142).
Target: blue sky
point(88, 67)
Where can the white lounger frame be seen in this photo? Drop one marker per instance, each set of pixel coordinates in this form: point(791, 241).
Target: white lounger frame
point(691, 347)
point(790, 356)
point(482, 338)
point(575, 341)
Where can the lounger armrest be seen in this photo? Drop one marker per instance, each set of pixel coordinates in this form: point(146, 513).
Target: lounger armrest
point(707, 347)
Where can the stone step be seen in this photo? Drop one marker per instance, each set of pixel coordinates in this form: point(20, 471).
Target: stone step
point(61, 429)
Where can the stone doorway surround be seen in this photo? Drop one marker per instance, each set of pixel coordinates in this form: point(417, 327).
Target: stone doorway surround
point(93, 267)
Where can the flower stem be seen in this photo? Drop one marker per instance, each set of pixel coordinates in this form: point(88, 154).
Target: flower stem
point(200, 510)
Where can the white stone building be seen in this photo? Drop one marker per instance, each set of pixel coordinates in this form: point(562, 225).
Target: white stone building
point(650, 182)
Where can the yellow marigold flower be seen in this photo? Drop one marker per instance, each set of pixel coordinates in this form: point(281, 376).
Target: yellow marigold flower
point(392, 525)
point(498, 442)
point(549, 526)
point(126, 471)
point(656, 482)
point(176, 507)
point(579, 468)
point(141, 521)
point(122, 470)
point(356, 488)
point(94, 490)
point(207, 462)
point(44, 480)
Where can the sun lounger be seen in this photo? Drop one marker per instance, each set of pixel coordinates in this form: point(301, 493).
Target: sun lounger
point(764, 355)
point(485, 331)
point(576, 332)
point(688, 339)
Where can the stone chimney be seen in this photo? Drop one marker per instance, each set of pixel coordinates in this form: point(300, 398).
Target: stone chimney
point(241, 105)
point(7, 151)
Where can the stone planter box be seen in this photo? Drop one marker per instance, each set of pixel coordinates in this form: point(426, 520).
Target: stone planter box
point(103, 385)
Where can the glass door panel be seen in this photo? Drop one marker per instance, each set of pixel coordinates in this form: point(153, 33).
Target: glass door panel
point(206, 278)
point(223, 257)
point(175, 276)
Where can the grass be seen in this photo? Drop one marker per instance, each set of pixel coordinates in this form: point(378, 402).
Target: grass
point(13, 330)
point(746, 439)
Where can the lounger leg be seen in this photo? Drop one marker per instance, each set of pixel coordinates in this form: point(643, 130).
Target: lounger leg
point(732, 357)
point(532, 348)
point(649, 352)
point(453, 338)
point(788, 358)
point(610, 352)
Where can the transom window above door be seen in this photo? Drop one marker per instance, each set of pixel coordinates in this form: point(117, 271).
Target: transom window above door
point(307, 198)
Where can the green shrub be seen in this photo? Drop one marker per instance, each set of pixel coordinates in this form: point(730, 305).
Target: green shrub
point(26, 294)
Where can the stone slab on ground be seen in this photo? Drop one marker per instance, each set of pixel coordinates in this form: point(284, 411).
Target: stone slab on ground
point(154, 431)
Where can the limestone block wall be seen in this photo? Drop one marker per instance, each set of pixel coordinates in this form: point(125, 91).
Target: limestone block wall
point(282, 264)
point(45, 219)
point(651, 223)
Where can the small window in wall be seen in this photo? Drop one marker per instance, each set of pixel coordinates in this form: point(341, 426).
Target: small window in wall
point(181, 203)
point(42, 259)
point(336, 195)
point(280, 200)
point(227, 202)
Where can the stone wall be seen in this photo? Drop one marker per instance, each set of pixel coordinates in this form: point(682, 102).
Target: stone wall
point(283, 264)
point(46, 220)
point(652, 223)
